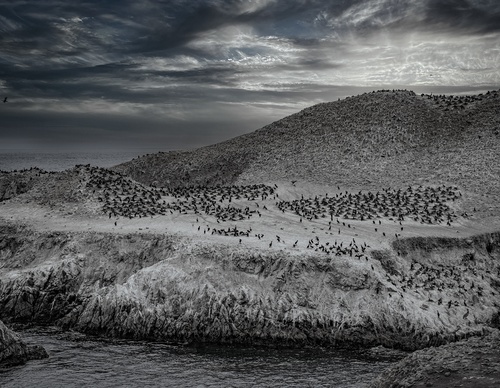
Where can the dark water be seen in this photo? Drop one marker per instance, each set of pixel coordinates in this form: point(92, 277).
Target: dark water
point(94, 363)
point(59, 161)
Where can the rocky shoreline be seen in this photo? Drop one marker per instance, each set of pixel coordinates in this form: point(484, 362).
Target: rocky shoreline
point(167, 288)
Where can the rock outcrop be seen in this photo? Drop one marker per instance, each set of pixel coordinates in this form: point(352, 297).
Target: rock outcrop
point(13, 351)
point(12, 185)
point(471, 363)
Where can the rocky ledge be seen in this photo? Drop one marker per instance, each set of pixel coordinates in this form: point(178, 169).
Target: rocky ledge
point(14, 351)
point(472, 363)
point(167, 288)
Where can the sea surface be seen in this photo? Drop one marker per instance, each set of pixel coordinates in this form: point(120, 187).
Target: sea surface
point(62, 160)
point(87, 362)
point(79, 361)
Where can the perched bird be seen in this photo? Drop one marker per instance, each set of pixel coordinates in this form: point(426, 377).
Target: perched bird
point(5, 99)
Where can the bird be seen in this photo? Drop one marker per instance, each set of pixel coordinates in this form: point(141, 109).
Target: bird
point(5, 99)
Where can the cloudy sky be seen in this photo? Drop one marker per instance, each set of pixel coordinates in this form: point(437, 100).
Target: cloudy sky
point(169, 74)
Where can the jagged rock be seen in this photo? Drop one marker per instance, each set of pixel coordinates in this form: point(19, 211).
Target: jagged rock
point(163, 288)
point(471, 363)
point(11, 186)
point(13, 351)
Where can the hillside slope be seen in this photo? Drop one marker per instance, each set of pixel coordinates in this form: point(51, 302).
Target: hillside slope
point(370, 141)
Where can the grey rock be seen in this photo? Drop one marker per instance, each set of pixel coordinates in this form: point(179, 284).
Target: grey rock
point(14, 351)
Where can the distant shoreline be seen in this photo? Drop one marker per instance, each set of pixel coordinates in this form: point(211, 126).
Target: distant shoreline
point(11, 160)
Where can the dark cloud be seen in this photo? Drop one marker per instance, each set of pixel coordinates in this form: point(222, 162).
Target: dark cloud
point(464, 15)
point(202, 16)
point(199, 71)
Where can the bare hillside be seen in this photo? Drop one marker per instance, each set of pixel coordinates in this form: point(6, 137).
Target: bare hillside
point(378, 139)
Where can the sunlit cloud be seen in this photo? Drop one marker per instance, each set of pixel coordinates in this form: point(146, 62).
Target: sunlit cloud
point(216, 69)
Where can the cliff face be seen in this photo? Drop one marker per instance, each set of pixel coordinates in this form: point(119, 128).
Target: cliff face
point(161, 287)
point(13, 351)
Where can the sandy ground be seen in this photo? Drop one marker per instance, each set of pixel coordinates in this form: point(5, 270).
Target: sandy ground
point(271, 223)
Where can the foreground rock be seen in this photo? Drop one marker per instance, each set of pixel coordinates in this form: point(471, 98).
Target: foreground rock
point(473, 363)
point(13, 351)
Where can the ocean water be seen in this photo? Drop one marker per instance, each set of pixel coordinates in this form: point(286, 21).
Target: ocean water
point(62, 160)
point(88, 362)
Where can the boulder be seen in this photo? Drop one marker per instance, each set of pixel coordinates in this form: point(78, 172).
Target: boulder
point(14, 351)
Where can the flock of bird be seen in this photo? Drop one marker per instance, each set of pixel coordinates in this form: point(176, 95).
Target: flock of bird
point(425, 204)
point(449, 102)
point(216, 200)
point(123, 197)
point(458, 103)
point(34, 170)
point(120, 196)
point(338, 249)
point(435, 282)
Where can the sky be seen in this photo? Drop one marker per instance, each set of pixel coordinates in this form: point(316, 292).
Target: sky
point(179, 74)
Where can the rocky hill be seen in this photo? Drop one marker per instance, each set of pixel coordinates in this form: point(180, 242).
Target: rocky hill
point(374, 140)
point(368, 221)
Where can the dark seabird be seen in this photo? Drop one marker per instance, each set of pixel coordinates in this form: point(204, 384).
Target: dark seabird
point(5, 99)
